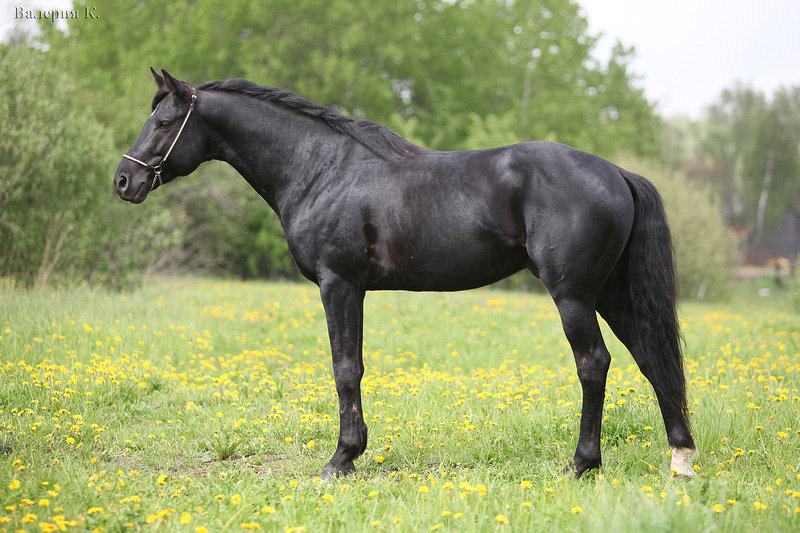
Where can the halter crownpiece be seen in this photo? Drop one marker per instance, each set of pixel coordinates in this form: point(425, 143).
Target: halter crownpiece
point(160, 166)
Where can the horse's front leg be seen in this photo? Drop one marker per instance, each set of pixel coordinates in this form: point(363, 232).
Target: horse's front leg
point(344, 310)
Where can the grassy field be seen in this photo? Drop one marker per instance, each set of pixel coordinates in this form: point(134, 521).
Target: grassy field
point(200, 405)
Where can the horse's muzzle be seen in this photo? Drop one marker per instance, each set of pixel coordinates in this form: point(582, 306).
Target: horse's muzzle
point(129, 188)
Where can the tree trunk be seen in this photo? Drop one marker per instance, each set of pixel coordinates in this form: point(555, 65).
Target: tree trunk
point(764, 197)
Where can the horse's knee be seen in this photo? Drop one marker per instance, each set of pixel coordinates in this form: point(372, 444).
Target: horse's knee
point(347, 374)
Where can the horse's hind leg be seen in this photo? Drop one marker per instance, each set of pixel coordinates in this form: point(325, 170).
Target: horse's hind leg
point(614, 306)
point(573, 273)
point(592, 360)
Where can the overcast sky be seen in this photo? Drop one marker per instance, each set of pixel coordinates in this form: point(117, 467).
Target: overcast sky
point(687, 50)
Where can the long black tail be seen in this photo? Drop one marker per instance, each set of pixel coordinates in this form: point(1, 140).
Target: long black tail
point(652, 297)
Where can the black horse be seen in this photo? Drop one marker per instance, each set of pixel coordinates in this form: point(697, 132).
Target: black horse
point(364, 209)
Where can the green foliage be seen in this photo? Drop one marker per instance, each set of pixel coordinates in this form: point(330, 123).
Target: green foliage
point(491, 131)
point(59, 222)
point(232, 230)
point(439, 62)
point(705, 250)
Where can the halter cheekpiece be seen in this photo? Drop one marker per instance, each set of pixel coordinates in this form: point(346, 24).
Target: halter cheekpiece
point(160, 166)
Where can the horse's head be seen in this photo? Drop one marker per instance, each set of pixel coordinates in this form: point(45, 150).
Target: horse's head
point(171, 143)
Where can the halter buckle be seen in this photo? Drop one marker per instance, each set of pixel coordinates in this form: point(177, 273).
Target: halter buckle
point(156, 176)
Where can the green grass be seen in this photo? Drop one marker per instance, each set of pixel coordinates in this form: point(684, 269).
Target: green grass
point(210, 404)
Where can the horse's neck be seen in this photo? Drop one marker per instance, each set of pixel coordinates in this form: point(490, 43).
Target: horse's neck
point(276, 150)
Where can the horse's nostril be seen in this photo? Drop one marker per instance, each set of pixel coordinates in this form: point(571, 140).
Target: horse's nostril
point(122, 183)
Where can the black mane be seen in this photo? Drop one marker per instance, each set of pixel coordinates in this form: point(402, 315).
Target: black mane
point(381, 140)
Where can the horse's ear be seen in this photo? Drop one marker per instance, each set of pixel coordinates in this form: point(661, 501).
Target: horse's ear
point(158, 78)
point(179, 87)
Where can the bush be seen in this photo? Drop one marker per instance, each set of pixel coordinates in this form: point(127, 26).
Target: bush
point(234, 231)
point(705, 250)
point(60, 222)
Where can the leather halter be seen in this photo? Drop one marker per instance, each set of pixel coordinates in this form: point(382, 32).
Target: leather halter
point(160, 166)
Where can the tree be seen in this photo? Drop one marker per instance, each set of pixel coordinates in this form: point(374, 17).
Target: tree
point(58, 221)
point(439, 62)
point(756, 141)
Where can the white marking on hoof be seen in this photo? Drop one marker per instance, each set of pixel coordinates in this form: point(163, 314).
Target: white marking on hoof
point(682, 461)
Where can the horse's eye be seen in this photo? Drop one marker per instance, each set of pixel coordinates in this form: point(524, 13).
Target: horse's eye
point(164, 124)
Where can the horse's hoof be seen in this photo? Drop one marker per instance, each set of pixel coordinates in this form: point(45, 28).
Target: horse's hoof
point(681, 464)
point(579, 466)
point(331, 471)
point(6, 449)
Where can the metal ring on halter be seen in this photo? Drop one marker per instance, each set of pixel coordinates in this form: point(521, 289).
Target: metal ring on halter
point(160, 166)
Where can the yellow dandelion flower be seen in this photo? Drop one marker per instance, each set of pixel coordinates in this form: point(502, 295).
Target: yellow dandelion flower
point(502, 519)
point(251, 525)
point(185, 518)
point(15, 484)
point(200, 529)
point(379, 459)
point(268, 509)
point(235, 499)
point(718, 508)
point(576, 510)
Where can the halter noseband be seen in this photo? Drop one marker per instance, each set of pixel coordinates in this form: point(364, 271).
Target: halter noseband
point(160, 166)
